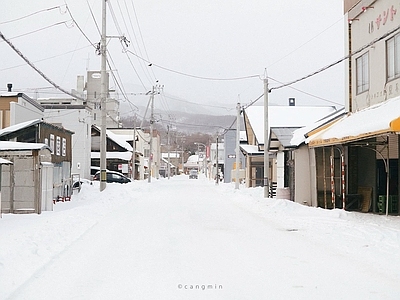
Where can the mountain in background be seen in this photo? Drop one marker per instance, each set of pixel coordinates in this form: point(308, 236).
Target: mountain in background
point(180, 115)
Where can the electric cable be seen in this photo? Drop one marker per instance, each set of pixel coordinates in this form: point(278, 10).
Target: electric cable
point(190, 75)
point(32, 14)
point(36, 69)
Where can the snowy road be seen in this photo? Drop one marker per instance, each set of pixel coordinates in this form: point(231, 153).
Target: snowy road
point(190, 239)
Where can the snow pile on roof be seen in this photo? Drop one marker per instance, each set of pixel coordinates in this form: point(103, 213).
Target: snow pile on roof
point(119, 140)
point(19, 126)
point(299, 135)
point(6, 145)
point(368, 121)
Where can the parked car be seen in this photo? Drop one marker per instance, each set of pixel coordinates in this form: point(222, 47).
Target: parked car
point(112, 176)
point(193, 174)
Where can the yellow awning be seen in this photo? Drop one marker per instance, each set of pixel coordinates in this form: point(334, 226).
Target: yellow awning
point(395, 125)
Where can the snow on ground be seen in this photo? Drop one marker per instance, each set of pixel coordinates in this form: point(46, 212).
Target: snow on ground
point(192, 239)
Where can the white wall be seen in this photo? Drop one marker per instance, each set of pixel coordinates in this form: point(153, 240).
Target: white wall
point(78, 121)
point(303, 175)
point(365, 30)
point(23, 111)
point(280, 170)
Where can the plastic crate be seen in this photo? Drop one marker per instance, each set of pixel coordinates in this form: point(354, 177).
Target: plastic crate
point(393, 204)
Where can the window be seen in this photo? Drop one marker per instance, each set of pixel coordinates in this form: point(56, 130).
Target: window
point(362, 69)
point(393, 57)
point(64, 147)
point(52, 143)
point(58, 145)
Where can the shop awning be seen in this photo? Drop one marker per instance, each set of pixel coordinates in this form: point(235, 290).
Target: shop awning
point(381, 118)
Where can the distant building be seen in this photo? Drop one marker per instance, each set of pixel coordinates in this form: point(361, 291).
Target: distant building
point(17, 108)
point(93, 98)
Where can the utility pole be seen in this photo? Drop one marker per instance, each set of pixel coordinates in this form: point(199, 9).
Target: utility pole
point(217, 173)
point(266, 136)
point(103, 127)
point(151, 134)
point(134, 149)
point(168, 167)
point(238, 110)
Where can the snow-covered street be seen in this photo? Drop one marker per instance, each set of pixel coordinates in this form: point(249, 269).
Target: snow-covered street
point(192, 239)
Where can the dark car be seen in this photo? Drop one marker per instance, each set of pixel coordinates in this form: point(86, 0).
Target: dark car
point(193, 174)
point(113, 176)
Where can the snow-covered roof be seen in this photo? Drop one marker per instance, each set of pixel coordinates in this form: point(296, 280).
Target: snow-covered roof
point(250, 149)
point(172, 154)
point(380, 118)
point(9, 94)
point(5, 161)
point(113, 155)
point(16, 127)
point(119, 140)
point(243, 136)
point(166, 162)
point(6, 145)
point(285, 116)
point(284, 136)
point(300, 135)
point(195, 158)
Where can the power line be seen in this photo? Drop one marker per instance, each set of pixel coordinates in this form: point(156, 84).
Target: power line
point(302, 45)
point(36, 69)
point(309, 94)
point(51, 57)
point(32, 14)
point(326, 67)
point(80, 29)
point(194, 103)
point(338, 61)
point(123, 41)
point(190, 75)
point(40, 29)
point(141, 35)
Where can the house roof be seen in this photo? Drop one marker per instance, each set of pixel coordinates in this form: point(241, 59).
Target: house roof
point(5, 161)
point(15, 146)
point(300, 135)
point(25, 97)
point(285, 117)
point(113, 155)
point(284, 136)
point(118, 139)
point(250, 149)
point(377, 119)
point(172, 154)
point(23, 125)
point(166, 162)
point(17, 127)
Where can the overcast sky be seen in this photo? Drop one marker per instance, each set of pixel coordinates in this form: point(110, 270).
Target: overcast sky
point(188, 43)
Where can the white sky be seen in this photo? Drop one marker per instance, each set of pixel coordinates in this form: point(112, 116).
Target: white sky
point(149, 241)
point(213, 39)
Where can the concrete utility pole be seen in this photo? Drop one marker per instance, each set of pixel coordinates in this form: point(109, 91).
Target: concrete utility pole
point(169, 161)
point(266, 136)
point(134, 149)
point(151, 134)
point(238, 111)
point(217, 174)
point(103, 127)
